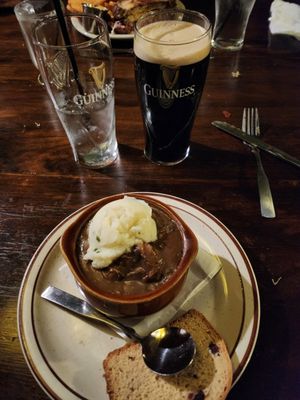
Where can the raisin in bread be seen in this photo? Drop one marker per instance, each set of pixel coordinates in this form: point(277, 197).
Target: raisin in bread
point(209, 377)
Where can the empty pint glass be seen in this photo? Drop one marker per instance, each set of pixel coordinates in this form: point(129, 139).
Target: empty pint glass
point(76, 67)
point(171, 50)
point(231, 23)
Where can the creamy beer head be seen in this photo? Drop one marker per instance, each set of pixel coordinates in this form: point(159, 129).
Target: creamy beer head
point(172, 42)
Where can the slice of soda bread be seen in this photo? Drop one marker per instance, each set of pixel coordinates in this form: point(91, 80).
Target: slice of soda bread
point(209, 376)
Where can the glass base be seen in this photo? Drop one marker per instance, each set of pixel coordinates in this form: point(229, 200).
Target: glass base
point(167, 163)
point(231, 45)
point(96, 162)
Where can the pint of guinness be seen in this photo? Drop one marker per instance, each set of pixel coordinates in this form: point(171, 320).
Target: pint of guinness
point(171, 50)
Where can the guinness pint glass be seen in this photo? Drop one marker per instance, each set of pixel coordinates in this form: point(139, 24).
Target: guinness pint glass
point(171, 50)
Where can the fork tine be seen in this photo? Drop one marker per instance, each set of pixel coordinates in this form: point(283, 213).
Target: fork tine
point(252, 121)
point(244, 120)
point(249, 121)
point(257, 127)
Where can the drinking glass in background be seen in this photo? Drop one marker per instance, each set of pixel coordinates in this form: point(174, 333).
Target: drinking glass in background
point(231, 22)
point(171, 50)
point(28, 14)
point(77, 71)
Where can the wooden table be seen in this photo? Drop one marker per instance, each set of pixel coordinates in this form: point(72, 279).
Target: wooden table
point(41, 185)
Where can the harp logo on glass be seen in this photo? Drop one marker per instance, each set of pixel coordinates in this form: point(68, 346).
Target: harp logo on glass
point(105, 89)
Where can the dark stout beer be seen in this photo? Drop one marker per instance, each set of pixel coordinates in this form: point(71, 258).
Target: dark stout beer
point(170, 81)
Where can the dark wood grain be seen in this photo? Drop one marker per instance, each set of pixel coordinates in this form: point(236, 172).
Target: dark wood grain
point(40, 185)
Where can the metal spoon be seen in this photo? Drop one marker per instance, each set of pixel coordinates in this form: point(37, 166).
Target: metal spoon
point(166, 351)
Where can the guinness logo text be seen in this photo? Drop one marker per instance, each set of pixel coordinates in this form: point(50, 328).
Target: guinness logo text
point(99, 96)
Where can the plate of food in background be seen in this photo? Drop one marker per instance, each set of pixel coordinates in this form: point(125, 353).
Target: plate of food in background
point(120, 15)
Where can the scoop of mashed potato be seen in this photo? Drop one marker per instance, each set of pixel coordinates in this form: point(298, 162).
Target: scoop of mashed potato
point(116, 228)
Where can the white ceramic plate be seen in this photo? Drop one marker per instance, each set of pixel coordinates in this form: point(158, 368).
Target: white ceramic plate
point(112, 35)
point(65, 353)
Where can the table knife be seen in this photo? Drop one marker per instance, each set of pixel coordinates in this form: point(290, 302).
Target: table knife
point(239, 134)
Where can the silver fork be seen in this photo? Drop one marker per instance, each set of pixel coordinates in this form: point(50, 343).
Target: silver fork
point(250, 125)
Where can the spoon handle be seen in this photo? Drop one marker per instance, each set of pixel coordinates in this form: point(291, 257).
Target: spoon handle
point(84, 309)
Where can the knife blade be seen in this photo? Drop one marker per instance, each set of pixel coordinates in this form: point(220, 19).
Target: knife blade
point(239, 134)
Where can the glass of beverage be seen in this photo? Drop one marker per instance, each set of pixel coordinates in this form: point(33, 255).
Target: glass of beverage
point(76, 67)
point(230, 23)
point(29, 13)
point(171, 50)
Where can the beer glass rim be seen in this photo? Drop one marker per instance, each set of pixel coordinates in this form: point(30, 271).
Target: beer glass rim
point(20, 12)
point(18, 9)
point(173, 11)
point(84, 43)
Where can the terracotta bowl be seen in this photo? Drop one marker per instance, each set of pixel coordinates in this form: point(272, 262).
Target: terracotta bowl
point(128, 305)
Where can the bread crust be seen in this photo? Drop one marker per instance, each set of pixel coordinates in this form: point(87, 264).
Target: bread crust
point(209, 377)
